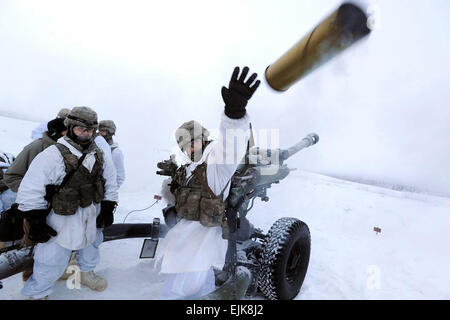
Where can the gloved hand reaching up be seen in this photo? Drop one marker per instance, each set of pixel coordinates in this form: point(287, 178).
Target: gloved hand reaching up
point(238, 93)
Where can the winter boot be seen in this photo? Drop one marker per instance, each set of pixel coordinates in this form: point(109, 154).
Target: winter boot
point(93, 281)
point(70, 271)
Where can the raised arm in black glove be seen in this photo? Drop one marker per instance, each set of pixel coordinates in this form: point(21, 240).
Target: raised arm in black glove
point(106, 216)
point(238, 93)
point(39, 230)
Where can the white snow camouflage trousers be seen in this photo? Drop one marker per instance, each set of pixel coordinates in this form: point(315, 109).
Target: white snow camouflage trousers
point(50, 262)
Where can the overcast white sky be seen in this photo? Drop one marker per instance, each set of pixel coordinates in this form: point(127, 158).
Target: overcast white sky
point(381, 109)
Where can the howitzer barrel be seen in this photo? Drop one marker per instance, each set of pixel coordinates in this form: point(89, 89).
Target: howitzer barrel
point(15, 261)
point(306, 142)
point(340, 30)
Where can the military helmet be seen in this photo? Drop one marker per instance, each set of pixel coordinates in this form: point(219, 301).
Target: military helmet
point(82, 116)
point(63, 113)
point(189, 131)
point(107, 125)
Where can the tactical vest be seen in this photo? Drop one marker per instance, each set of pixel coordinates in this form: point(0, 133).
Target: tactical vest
point(194, 202)
point(83, 188)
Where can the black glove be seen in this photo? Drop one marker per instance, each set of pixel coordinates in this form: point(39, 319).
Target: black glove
point(50, 191)
point(11, 224)
point(106, 216)
point(238, 93)
point(39, 230)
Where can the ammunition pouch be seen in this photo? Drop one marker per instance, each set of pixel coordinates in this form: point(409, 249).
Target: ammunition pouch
point(66, 202)
point(211, 212)
point(191, 205)
point(187, 203)
point(68, 199)
point(87, 192)
point(197, 202)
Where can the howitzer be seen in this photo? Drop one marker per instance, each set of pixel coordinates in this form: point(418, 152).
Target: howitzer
point(273, 265)
point(17, 258)
point(261, 169)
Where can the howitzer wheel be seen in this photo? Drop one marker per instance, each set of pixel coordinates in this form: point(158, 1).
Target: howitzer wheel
point(285, 259)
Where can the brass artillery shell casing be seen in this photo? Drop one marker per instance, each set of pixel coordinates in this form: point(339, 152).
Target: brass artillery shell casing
point(337, 32)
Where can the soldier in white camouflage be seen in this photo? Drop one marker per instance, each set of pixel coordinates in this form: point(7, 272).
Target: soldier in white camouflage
point(107, 129)
point(194, 246)
point(72, 217)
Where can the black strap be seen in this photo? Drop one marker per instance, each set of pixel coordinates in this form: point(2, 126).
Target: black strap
point(72, 172)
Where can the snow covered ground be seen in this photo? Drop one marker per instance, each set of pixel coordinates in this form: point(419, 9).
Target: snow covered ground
point(408, 259)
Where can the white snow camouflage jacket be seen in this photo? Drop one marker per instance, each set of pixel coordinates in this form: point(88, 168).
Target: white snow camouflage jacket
point(75, 231)
point(117, 157)
point(190, 246)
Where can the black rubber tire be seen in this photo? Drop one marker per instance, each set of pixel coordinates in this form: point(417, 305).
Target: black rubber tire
point(285, 259)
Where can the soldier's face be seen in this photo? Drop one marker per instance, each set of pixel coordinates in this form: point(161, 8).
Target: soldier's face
point(194, 150)
point(103, 133)
point(83, 133)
